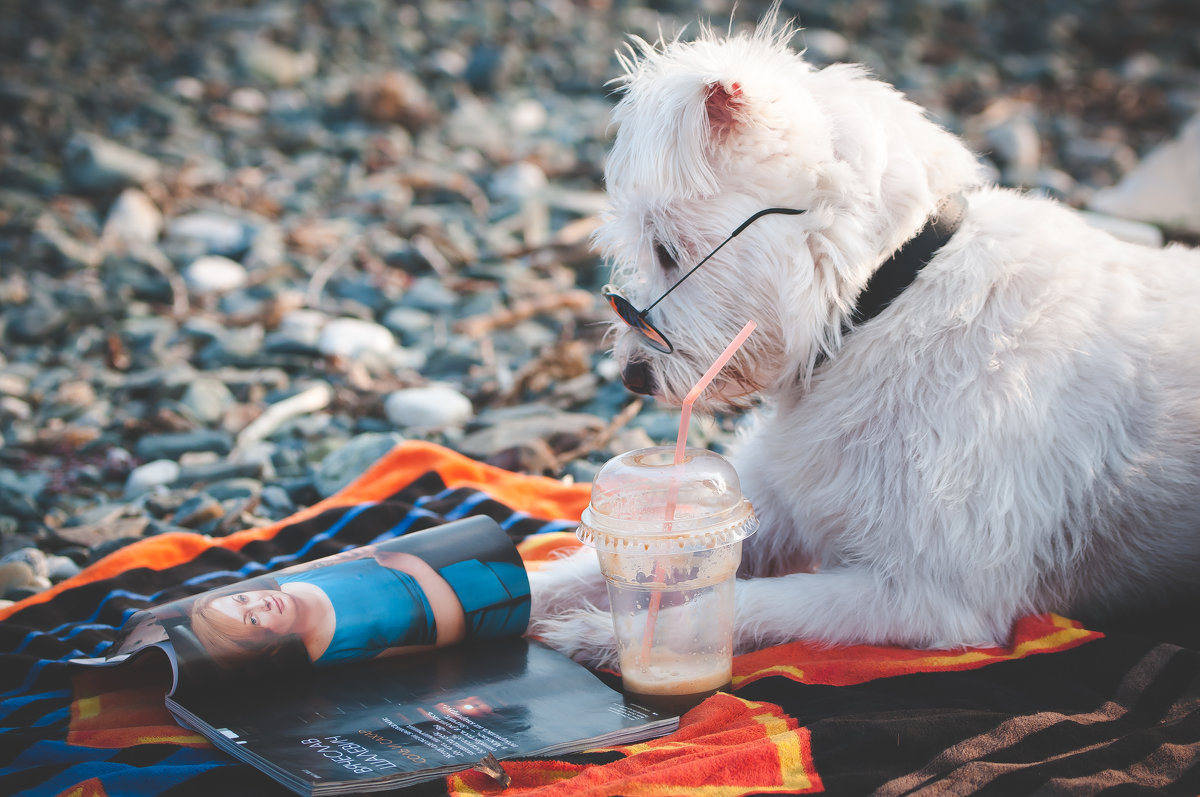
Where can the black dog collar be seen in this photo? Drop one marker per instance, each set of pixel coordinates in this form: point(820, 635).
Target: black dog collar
point(898, 271)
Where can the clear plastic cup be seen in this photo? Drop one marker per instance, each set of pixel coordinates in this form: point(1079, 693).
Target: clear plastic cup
point(669, 538)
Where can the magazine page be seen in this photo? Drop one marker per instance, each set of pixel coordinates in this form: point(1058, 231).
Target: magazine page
point(386, 723)
point(427, 589)
point(143, 632)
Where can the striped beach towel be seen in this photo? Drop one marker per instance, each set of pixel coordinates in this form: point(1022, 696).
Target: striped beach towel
point(1061, 709)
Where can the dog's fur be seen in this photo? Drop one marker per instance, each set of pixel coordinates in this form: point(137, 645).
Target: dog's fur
point(1019, 431)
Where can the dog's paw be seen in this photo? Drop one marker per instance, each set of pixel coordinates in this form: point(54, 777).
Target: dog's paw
point(586, 635)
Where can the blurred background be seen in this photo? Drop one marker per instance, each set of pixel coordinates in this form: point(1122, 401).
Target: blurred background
point(246, 247)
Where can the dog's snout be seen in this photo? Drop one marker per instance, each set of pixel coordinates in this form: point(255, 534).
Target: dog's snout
point(637, 377)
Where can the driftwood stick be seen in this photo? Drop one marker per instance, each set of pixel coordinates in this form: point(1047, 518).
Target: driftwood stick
point(601, 438)
point(521, 310)
point(336, 259)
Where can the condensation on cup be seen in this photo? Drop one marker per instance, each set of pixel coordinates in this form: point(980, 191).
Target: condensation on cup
point(669, 537)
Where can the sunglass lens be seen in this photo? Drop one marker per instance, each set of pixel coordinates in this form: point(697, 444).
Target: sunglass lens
point(638, 323)
point(622, 307)
point(655, 338)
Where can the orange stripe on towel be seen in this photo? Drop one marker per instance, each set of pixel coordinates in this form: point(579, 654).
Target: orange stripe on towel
point(854, 664)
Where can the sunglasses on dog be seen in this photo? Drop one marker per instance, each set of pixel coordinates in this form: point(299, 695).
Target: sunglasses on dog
point(636, 319)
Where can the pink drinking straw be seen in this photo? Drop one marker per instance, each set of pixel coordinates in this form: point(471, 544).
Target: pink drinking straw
point(680, 449)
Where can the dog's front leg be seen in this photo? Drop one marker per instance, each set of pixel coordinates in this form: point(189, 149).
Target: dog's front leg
point(568, 582)
point(857, 606)
point(570, 610)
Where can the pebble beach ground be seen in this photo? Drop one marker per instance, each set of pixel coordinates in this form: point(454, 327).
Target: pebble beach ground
point(246, 248)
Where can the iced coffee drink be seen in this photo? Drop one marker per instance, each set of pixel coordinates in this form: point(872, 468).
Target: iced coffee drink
point(669, 540)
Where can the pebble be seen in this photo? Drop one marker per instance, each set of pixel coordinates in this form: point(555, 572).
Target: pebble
point(60, 568)
point(133, 219)
point(428, 408)
point(172, 446)
point(520, 181)
point(303, 326)
point(20, 493)
point(208, 399)
point(245, 467)
point(34, 558)
point(17, 580)
point(353, 337)
point(37, 321)
point(210, 233)
point(274, 64)
point(94, 164)
point(145, 478)
point(248, 262)
point(214, 274)
point(198, 511)
point(350, 461)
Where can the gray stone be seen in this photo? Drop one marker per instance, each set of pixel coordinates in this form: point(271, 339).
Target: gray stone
point(236, 347)
point(520, 181)
point(18, 576)
point(211, 233)
point(38, 321)
point(14, 384)
point(150, 476)
point(581, 471)
point(14, 409)
point(197, 511)
point(11, 538)
point(347, 463)
point(218, 471)
point(432, 407)
point(60, 568)
point(277, 498)
point(133, 219)
point(208, 399)
point(430, 295)
point(274, 64)
point(173, 445)
point(34, 557)
point(304, 326)
point(823, 46)
point(350, 337)
point(93, 163)
point(234, 489)
point(20, 492)
point(410, 325)
point(214, 274)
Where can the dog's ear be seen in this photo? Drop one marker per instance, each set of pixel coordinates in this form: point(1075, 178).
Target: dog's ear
point(723, 104)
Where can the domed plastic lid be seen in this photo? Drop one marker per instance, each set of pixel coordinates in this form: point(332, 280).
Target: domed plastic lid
point(643, 503)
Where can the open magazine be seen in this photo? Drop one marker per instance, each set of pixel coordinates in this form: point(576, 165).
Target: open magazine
point(382, 666)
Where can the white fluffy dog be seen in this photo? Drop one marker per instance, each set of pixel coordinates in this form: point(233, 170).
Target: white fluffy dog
point(1017, 431)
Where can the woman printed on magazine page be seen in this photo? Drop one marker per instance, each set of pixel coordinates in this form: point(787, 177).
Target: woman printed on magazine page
point(335, 609)
point(361, 604)
point(431, 588)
